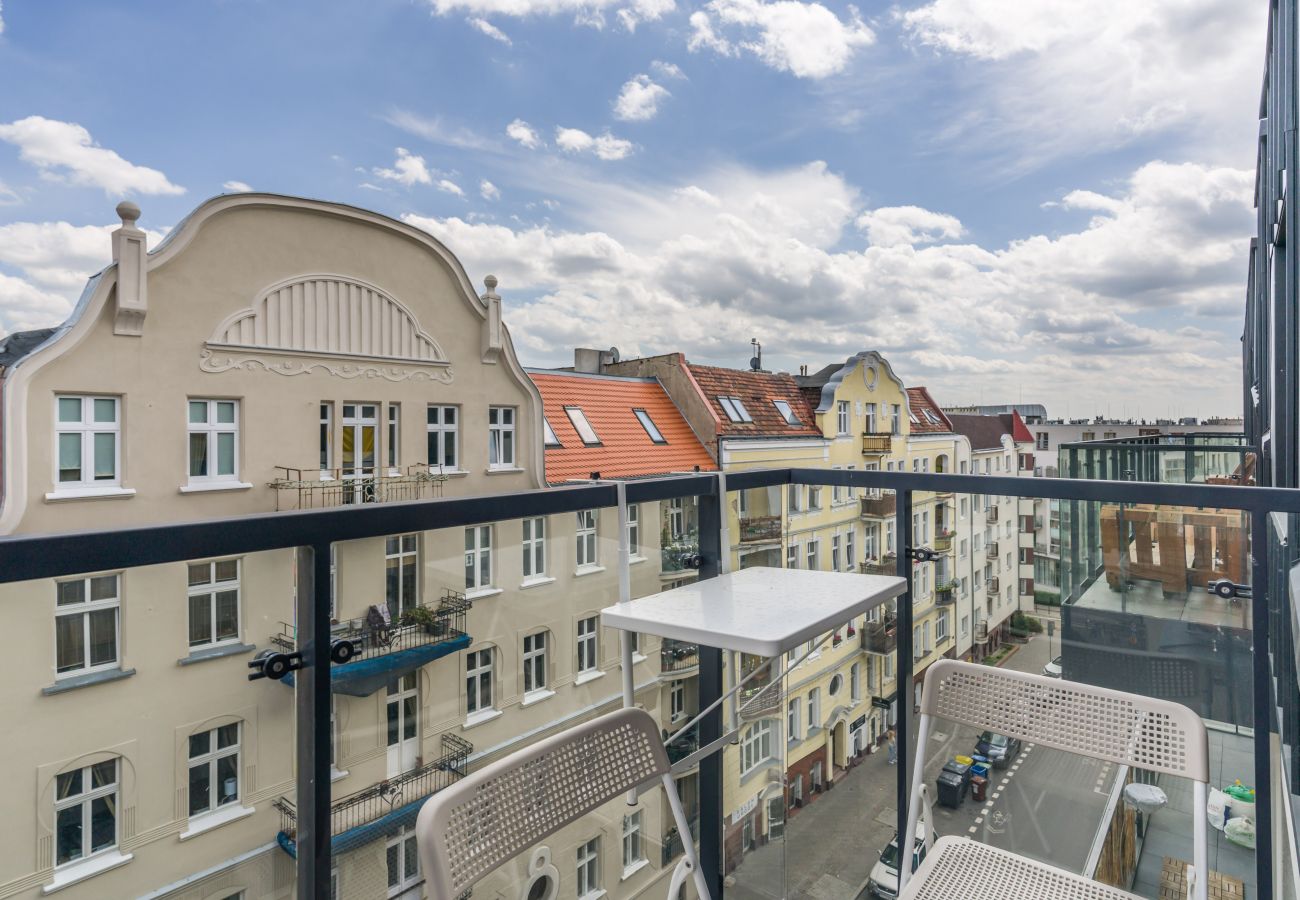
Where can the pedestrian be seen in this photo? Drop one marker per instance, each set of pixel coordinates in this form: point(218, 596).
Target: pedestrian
point(893, 748)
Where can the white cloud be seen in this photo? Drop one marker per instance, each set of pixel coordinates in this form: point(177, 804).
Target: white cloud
point(584, 12)
point(408, 169)
point(890, 226)
point(805, 39)
point(521, 131)
point(488, 191)
point(2, 20)
point(8, 196)
point(448, 186)
point(639, 99)
point(735, 252)
point(236, 187)
point(667, 70)
point(644, 11)
point(486, 27)
point(436, 131)
point(64, 151)
point(604, 146)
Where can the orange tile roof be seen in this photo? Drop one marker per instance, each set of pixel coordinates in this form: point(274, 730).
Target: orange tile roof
point(625, 449)
point(756, 390)
point(919, 402)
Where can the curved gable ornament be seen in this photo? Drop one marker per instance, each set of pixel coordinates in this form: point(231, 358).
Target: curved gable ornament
point(342, 326)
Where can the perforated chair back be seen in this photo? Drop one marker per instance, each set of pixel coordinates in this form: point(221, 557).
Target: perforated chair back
point(1130, 729)
point(487, 818)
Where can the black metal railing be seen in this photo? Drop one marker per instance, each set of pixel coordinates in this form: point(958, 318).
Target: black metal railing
point(881, 636)
point(678, 656)
point(886, 566)
point(677, 553)
point(379, 633)
point(672, 844)
point(882, 506)
point(297, 488)
point(760, 528)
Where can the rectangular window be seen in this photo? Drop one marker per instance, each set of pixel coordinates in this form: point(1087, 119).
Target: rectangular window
point(589, 868)
point(585, 548)
point(214, 603)
point(814, 497)
point(786, 412)
point(735, 409)
point(580, 424)
point(213, 440)
point(394, 435)
point(632, 840)
point(792, 555)
point(402, 855)
point(941, 627)
point(843, 419)
point(677, 700)
point(835, 553)
point(814, 547)
point(478, 557)
point(401, 568)
point(85, 812)
point(534, 662)
point(793, 718)
point(588, 652)
point(633, 529)
point(87, 437)
point(870, 427)
point(501, 437)
point(478, 680)
point(814, 709)
point(796, 498)
point(549, 434)
point(442, 424)
point(676, 518)
point(326, 436)
point(855, 683)
point(534, 547)
point(894, 414)
point(214, 768)
point(650, 428)
point(755, 745)
point(86, 624)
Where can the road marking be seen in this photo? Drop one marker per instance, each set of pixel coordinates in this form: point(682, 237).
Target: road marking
point(996, 794)
point(979, 820)
point(973, 829)
point(987, 805)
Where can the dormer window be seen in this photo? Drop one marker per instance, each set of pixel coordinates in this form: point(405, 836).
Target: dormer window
point(786, 412)
point(551, 439)
point(934, 420)
point(734, 409)
point(650, 428)
point(581, 425)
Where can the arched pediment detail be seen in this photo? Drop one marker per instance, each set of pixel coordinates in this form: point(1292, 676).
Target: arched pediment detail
point(330, 315)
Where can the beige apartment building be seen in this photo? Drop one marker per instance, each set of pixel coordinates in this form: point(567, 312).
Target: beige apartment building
point(280, 353)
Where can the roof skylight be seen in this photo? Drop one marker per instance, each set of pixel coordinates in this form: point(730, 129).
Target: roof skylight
point(551, 439)
point(650, 428)
point(581, 425)
point(786, 412)
point(734, 409)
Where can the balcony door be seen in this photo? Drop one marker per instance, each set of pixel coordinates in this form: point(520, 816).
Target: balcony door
point(360, 453)
point(403, 725)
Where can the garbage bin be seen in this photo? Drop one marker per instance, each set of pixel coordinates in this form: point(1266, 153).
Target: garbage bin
point(949, 787)
point(978, 784)
point(980, 770)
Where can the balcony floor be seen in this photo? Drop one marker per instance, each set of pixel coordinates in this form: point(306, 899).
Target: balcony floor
point(1145, 598)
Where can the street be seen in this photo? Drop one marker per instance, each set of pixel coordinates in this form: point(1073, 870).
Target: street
point(1045, 804)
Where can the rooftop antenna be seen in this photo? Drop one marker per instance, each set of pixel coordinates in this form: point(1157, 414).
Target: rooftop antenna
point(756, 361)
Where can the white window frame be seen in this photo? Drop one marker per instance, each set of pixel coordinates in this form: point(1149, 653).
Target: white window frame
point(855, 683)
point(444, 435)
point(502, 441)
point(814, 554)
point(548, 433)
point(394, 435)
point(633, 530)
point(85, 799)
point(212, 587)
point(835, 552)
point(755, 746)
point(814, 710)
point(212, 430)
point(211, 758)
point(405, 549)
point(793, 718)
point(588, 645)
point(850, 551)
point(533, 544)
point(676, 701)
point(536, 679)
point(478, 552)
point(586, 546)
point(326, 436)
point(844, 420)
point(786, 412)
point(578, 419)
point(83, 609)
point(479, 672)
point(407, 876)
point(651, 429)
point(588, 870)
point(792, 555)
point(735, 409)
point(795, 498)
point(87, 431)
point(814, 497)
point(633, 845)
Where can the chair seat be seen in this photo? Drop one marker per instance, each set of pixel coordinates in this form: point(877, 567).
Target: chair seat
point(957, 868)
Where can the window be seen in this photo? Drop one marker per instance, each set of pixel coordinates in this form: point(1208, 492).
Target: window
point(850, 552)
point(1108, 435)
point(394, 435)
point(534, 662)
point(549, 433)
point(871, 419)
point(580, 424)
point(214, 768)
point(677, 700)
point(918, 648)
point(632, 840)
point(586, 539)
point(961, 508)
point(587, 644)
point(676, 517)
point(755, 745)
point(842, 419)
point(796, 498)
point(478, 557)
point(1041, 441)
point(734, 409)
point(401, 563)
point(855, 683)
point(1088, 436)
point(835, 553)
point(894, 424)
point(786, 412)
point(85, 812)
point(792, 555)
point(326, 436)
point(86, 624)
point(443, 440)
point(650, 428)
point(214, 440)
point(403, 857)
point(534, 547)
point(88, 441)
point(589, 867)
point(793, 716)
point(931, 417)
point(214, 602)
point(814, 497)
point(965, 624)
point(814, 709)
point(941, 627)
point(478, 680)
point(633, 529)
point(813, 554)
point(501, 437)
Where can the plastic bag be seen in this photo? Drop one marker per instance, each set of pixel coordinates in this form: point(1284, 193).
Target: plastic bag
point(1238, 791)
point(1241, 801)
point(1241, 831)
point(1216, 809)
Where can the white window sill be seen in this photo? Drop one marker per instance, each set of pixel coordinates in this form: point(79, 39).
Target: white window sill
point(79, 871)
point(633, 560)
point(591, 569)
point(588, 676)
point(481, 716)
point(629, 871)
point(208, 821)
point(537, 696)
point(452, 473)
point(592, 895)
point(337, 774)
point(215, 486)
point(89, 493)
point(503, 470)
point(638, 657)
point(480, 593)
point(536, 581)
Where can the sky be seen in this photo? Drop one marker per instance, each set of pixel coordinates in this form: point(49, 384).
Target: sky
point(1013, 201)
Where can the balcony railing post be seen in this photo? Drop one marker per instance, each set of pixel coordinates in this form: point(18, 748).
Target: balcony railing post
point(712, 509)
point(312, 684)
point(1263, 703)
point(903, 662)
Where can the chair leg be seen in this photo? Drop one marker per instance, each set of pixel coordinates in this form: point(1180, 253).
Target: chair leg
point(1200, 843)
point(913, 804)
point(688, 842)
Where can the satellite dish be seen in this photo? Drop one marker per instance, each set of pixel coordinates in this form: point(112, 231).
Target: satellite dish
point(755, 363)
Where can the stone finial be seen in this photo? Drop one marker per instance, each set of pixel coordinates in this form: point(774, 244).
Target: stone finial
point(129, 213)
point(492, 339)
point(490, 282)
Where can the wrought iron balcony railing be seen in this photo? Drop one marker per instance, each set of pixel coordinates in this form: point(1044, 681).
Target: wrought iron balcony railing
point(880, 637)
point(754, 529)
point(991, 550)
point(943, 593)
point(678, 658)
point(324, 488)
point(886, 566)
point(991, 514)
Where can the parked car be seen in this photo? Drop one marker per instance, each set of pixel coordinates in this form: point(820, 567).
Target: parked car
point(1053, 668)
point(883, 881)
point(997, 748)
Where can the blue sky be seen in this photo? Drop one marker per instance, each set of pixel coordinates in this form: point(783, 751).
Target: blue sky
point(1041, 202)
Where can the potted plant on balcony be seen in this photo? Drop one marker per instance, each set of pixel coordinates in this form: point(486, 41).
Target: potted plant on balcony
point(425, 619)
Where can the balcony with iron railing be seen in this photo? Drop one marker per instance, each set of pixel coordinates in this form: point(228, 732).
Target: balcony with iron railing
point(672, 842)
point(760, 529)
point(876, 443)
point(677, 553)
point(991, 550)
point(887, 565)
point(991, 513)
point(880, 506)
point(944, 593)
point(880, 636)
point(325, 488)
point(677, 659)
point(992, 585)
point(943, 540)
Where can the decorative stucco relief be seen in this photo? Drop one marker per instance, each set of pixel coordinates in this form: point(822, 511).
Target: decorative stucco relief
point(228, 361)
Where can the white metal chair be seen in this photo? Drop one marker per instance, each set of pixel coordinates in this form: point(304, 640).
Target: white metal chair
point(491, 816)
point(1129, 729)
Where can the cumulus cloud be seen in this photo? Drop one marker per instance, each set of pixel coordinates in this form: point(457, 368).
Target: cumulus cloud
point(236, 187)
point(488, 191)
point(2, 18)
point(486, 27)
point(447, 186)
point(740, 252)
point(644, 11)
point(639, 99)
point(604, 146)
point(408, 169)
point(585, 12)
point(667, 70)
point(521, 131)
point(65, 152)
point(805, 39)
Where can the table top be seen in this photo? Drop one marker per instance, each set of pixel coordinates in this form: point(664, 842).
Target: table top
point(762, 611)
